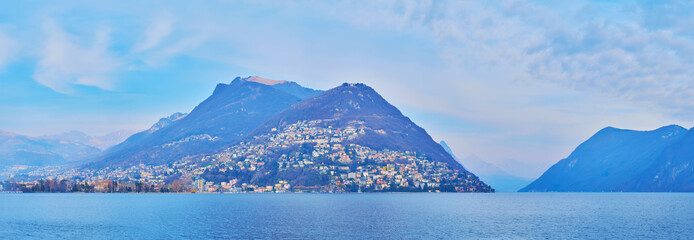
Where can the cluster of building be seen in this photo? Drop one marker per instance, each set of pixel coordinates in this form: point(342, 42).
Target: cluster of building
point(306, 147)
point(317, 146)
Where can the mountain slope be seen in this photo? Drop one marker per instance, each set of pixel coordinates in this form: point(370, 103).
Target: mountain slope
point(611, 160)
point(385, 126)
point(446, 148)
point(347, 139)
point(137, 138)
point(231, 112)
point(672, 171)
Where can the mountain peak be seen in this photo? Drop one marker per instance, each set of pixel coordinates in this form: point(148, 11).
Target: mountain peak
point(348, 99)
point(360, 86)
point(260, 80)
point(9, 134)
point(673, 127)
point(360, 91)
point(289, 87)
point(166, 121)
point(264, 80)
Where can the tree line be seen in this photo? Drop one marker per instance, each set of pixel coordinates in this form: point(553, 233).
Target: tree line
point(101, 186)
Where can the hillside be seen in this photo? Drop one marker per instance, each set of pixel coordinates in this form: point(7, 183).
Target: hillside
point(623, 160)
point(385, 126)
point(347, 139)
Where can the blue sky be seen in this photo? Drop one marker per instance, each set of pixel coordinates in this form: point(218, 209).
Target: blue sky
point(520, 80)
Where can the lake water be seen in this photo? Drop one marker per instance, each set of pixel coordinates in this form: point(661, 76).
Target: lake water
point(348, 216)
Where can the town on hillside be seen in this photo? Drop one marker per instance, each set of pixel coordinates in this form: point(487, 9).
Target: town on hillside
point(307, 156)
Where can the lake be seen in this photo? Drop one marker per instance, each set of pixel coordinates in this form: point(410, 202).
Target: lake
point(348, 216)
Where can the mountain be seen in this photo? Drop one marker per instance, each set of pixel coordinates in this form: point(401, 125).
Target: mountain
point(22, 150)
point(624, 160)
point(501, 180)
point(347, 139)
point(385, 127)
point(232, 111)
point(101, 142)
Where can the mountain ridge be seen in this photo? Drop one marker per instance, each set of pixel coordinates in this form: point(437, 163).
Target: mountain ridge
point(231, 112)
point(17, 149)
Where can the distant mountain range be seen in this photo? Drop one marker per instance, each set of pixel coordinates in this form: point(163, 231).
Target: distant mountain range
point(501, 180)
point(278, 129)
point(69, 147)
point(614, 159)
point(101, 142)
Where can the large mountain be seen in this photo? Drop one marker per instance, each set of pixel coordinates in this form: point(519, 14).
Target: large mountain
point(231, 112)
point(386, 127)
point(22, 150)
point(625, 160)
point(346, 139)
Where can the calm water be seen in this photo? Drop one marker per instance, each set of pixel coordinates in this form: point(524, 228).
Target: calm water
point(350, 216)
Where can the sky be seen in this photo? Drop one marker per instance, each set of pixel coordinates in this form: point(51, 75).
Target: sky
point(506, 81)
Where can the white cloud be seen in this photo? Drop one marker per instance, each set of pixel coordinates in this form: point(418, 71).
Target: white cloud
point(64, 63)
point(7, 48)
point(613, 50)
point(159, 29)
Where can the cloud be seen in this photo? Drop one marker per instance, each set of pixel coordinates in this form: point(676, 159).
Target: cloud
point(159, 29)
point(524, 80)
point(7, 48)
point(63, 63)
point(542, 76)
point(640, 53)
